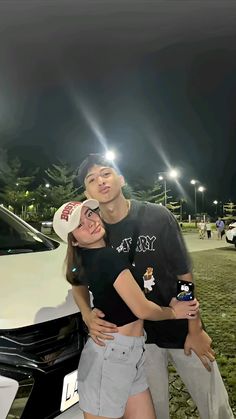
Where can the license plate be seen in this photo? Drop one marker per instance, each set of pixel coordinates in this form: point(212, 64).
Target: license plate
point(70, 394)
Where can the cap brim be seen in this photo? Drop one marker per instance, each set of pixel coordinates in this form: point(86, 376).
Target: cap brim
point(90, 203)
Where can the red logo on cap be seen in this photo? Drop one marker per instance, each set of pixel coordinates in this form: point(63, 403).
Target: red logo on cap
point(69, 208)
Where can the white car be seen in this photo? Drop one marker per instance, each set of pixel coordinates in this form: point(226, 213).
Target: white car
point(231, 234)
point(41, 330)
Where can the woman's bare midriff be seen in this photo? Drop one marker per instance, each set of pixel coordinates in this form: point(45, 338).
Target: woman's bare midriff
point(132, 329)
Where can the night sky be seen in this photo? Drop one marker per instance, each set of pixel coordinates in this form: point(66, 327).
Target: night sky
point(157, 83)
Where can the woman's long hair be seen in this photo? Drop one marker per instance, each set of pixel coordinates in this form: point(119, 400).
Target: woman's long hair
point(73, 262)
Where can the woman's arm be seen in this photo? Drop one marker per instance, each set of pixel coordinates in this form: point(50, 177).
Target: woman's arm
point(82, 299)
point(131, 293)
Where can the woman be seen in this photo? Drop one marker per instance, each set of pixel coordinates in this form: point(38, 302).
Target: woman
point(108, 376)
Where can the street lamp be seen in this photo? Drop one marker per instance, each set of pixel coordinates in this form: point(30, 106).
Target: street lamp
point(216, 204)
point(194, 182)
point(164, 182)
point(47, 185)
point(110, 155)
point(173, 174)
point(202, 190)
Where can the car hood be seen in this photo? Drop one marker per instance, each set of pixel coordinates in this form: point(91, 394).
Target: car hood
point(34, 288)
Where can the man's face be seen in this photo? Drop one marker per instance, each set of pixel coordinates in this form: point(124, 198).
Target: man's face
point(103, 183)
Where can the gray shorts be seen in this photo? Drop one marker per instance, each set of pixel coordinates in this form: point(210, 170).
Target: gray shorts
point(108, 375)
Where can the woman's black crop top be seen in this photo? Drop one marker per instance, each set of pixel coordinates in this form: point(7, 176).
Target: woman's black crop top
point(101, 268)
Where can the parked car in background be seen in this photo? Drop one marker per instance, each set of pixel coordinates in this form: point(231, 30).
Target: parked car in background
point(231, 233)
point(41, 331)
point(46, 227)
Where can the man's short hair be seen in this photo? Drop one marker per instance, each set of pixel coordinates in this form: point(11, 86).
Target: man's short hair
point(90, 161)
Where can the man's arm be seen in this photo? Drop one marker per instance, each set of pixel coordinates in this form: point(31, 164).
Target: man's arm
point(178, 257)
point(197, 339)
point(98, 328)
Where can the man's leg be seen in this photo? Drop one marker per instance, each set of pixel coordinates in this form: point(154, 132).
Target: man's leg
point(157, 375)
point(206, 388)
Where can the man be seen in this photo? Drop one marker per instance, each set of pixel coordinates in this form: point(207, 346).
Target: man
point(220, 225)
point(160, 258)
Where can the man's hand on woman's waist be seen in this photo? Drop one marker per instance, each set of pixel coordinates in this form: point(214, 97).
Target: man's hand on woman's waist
point(99, 329)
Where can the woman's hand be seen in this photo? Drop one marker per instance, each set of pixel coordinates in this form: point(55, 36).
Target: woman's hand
point(185, 309)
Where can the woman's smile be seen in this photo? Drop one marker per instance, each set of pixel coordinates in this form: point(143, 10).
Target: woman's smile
point(97, 229)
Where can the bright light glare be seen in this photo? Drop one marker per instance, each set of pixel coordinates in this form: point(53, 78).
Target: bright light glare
point(160, 177)
point(110, 155)
point(201, 189)
point(85, 109)
point(193, 181)
point(173, 174)
point(47, 185)
point(215, 202)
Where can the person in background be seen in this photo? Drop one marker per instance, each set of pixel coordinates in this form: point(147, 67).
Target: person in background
point(202, 229)
point(108, 376)
point(220, 225)
point(208, 229)
point(161, 257)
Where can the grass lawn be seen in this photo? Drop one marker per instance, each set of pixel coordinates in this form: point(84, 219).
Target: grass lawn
point(215, 279)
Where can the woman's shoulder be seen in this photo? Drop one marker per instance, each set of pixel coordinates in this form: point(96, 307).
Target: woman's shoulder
point(111, 259)
point(109, 253)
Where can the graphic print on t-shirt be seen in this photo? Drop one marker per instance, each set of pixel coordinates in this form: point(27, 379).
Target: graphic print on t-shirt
point(148, 280)
point(144, 244)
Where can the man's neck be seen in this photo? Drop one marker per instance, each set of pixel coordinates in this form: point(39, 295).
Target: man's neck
point(115, 211)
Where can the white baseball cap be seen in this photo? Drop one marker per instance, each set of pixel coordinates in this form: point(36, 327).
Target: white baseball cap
point(67, 217)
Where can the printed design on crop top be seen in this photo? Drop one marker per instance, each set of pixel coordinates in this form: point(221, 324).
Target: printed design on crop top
point(144, 244)
point(148, 280)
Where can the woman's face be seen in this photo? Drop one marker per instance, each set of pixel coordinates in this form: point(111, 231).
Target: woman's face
point(90, 231)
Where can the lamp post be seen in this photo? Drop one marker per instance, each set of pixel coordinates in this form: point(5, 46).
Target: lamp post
point(202, 190)
point(164, 183)
point(173, 174)
point(194, 183)
point(216, 204)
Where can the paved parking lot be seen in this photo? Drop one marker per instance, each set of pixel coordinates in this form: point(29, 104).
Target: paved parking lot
point(194, 244)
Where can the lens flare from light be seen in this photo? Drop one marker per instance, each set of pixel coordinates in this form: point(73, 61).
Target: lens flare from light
point(110, 155)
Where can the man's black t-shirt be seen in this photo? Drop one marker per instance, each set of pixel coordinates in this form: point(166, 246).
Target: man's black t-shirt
point(160, 256)
point(101, 268)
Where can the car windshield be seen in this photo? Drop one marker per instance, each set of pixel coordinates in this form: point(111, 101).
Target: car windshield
point(18, 237)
